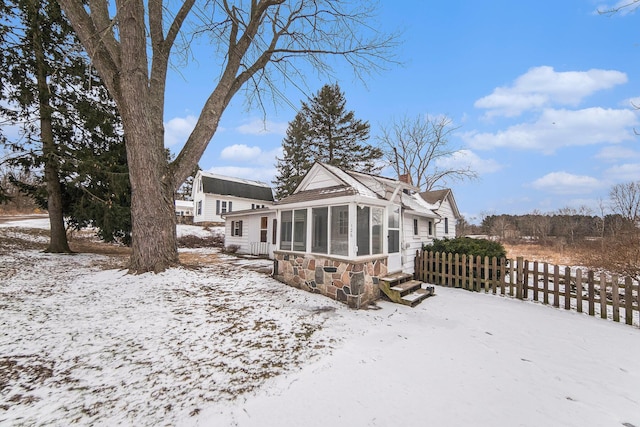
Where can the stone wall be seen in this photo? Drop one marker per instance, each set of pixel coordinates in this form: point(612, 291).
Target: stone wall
point(353, 282)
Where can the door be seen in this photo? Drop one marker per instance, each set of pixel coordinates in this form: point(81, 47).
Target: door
point(394, 262)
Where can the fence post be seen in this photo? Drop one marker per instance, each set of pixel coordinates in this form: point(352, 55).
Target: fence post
point(450, 270)
point(511, 278)
point(603, 296)
point(479, 271)
point(503, 274)
point(567, 281)
point(487, 280)
point(615, 298)
point(519, 275)
point(525, 280)
point(592, 291)
point(628, 301)
point(535, 280)
point(494, 275)
point(470, 274)
point(456, 271)
point(545, 283)
point(556, 286)
point(578, 290)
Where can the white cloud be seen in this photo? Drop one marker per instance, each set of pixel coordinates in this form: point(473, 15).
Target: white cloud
point(566, 183)
point(263, 127)
point(251, 155)
point(543, 87)
point(617, 152)
point(467, 158)
point(178, 129)
point(561, 128)
point(623, 173)
point(240, 152)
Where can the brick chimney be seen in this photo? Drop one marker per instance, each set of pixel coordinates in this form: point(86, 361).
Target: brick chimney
point(406, 178)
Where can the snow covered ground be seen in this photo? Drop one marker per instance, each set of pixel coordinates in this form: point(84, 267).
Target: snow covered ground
point(220, 345)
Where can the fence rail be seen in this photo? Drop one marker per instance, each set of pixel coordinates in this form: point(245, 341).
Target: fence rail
point(604, 295)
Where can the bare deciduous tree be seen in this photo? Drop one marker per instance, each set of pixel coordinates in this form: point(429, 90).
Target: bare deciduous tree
point(130, 44)
point(415, 146)
point(625, 200)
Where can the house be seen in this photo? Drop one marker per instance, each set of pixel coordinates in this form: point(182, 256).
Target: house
point(447, 209)
point(184, 208)
point(216, 195)
point(184, 211)
point(341, 232)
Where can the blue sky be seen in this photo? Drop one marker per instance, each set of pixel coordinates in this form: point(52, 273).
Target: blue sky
point(542, 94)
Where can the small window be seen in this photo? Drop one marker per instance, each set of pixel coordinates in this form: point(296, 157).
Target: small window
point(264, 221)
point(217, 207)
point(199, 209)
point(223, 209)
point(236, 228)
point(430, 228)
point(446, 226)
point(415, 226)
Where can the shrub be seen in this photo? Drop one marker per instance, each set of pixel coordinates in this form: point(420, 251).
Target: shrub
point(191, 241)
point(232, 249)
point(468, 246)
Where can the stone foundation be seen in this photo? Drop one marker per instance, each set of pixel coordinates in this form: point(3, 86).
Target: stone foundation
point(353, 282)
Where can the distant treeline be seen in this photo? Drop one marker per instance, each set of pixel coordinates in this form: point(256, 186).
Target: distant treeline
point(541, 227)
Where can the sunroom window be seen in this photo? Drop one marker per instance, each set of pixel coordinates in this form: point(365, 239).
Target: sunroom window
point(340, 230)
point(320, 226)
point(300, 230)
point(286, 230)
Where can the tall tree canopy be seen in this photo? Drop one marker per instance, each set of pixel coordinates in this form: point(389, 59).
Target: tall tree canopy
point(130, 43)
point(68, 126)
point(324, 131)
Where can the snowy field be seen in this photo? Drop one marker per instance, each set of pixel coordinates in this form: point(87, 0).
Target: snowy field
point(82, 343)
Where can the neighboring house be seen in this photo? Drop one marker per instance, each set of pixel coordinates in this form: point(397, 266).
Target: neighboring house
point(341, 232)
point(216, 195)
point(184, 207)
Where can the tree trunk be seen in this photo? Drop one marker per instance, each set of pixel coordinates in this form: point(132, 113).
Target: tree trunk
point(153, 219)
point(58, 240)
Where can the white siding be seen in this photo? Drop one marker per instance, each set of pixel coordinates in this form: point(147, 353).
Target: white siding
point(412, 242)
point(237, 204)
point(249, 242)
point(322, 179)
point(445, 211)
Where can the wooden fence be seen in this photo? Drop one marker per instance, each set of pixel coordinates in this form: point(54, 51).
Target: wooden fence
point(606, 295)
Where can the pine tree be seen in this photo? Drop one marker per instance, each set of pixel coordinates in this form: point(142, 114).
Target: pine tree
point(69, 126)
point(336, 136)
point(324, 131)
point(296, 158)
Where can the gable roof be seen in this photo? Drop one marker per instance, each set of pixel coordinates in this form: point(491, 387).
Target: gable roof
point(324, 181)
point(436, 197)
point(237, 187)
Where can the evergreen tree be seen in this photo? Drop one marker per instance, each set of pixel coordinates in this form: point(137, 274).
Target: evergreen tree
point(324, 131)
point(69, 127)
point(296, 157)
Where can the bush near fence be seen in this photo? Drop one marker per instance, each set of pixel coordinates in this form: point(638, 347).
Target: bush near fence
point(609, 296)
